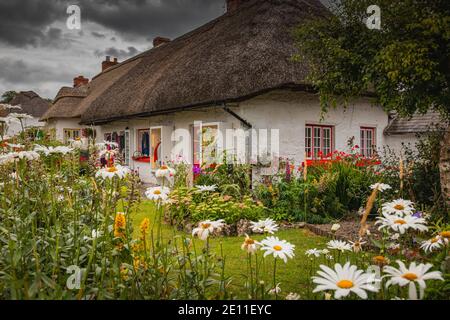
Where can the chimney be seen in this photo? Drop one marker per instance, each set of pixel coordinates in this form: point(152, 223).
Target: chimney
point(108, 63)
point(80, 81)
point(233, 5)
point(160, 41)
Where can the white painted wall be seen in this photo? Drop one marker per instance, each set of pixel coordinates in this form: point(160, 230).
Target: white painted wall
point(398, 141)
point(289, 112)
point(286, 111)
point(16, 128)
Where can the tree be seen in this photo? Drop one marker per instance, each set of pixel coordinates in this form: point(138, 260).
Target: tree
point(8, 96)
point(405, 64)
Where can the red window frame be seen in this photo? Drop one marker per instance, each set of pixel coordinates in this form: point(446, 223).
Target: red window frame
point(310, 146)
point(365, 150)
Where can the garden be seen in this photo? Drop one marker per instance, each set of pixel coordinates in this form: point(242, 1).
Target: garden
point(75, 223)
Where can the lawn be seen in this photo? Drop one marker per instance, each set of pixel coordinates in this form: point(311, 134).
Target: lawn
point(292, 275)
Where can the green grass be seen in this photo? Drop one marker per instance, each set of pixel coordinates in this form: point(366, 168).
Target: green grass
point(293, 275)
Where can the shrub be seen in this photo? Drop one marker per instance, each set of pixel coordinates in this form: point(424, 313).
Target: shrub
point(189, 205)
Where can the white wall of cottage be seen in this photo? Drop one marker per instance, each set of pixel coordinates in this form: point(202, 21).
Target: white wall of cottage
point(285, 111)
point(16, 128)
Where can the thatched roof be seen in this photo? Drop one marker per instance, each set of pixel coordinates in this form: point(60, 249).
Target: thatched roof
point(31, 103)
point(73, 102)
point(418, 123)
point(236, 56)
point(66, 102)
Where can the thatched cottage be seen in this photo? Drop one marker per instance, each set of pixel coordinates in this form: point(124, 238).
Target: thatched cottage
point(231, 80)
point(31, 104)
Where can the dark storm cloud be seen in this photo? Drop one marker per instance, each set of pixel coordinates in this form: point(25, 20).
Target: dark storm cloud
point(118, 53)
point(25, 22)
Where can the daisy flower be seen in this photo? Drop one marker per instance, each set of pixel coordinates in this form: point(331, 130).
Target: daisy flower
point(380, 187)
point(381, 261)
point(165, 172)
point(313, 252)
point(398, 207)
point(344, 280)
point(445, 236)
point(410, 276)
point(401, 224)
point(293, 296)
point(276, 290)
point(335, 227)
point(357, 245)
point(206, 188)
point(432, 244)
point(278, 248)
point(205, 228)
point(264, 226)
point(250, 245)
point(114, 171)
point(157, 193)
point(339, 245)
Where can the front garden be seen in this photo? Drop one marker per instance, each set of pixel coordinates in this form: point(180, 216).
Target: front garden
point(73, 227)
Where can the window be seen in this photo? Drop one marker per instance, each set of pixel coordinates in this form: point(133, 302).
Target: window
point(155, 147)
point(368, 141)
point(70, 134)
point(143, 142)
point(205, 144)
point(318, 141)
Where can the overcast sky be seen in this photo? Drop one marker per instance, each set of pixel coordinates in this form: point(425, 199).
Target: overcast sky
point(38, 52)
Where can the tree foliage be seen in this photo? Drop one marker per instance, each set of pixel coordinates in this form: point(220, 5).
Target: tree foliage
point(8, 96)
point(405, 64)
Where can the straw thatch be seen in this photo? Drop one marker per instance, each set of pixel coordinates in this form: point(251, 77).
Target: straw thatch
point(236, 56)
point(31, 103)
point(73, 102)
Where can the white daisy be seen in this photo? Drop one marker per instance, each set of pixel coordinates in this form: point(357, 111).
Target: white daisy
point(276, 290)
point(264, 226)
point(206, 188)
point(380, 186)
point(339, 245)
point(313, 252)
point(205, 228)
point(325, 251)
point(432, 244)
point(398, 207)
point(357, 245)
point(335, 227)
point(293, 296)
point(157, 193)
point(401, 224)
point(250, 245)
point(164, 172)
point(409, 276)
point(344, 280)
point(278, 248)
point(114, 171)
point(20, 116)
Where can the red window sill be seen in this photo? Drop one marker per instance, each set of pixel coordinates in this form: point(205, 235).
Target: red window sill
point(142, 159)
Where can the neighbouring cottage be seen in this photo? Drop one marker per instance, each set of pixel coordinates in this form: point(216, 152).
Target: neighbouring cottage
point(31, 104)
point(230, 80)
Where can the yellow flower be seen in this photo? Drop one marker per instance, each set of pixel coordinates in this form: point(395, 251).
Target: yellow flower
point(120, 224)
point(139, 263)
point(144, 226)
